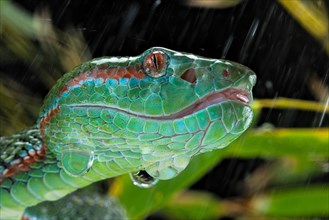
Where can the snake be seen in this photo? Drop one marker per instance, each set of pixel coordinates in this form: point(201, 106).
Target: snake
point(145, 115)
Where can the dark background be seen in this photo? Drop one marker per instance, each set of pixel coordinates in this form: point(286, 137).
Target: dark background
point(259, 34)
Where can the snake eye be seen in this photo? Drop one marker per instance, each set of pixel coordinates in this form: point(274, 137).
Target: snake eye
point(155, 64)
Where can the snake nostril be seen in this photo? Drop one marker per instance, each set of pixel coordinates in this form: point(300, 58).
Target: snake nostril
point(189, 76)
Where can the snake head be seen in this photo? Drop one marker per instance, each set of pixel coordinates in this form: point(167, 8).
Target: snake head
point(150, 112)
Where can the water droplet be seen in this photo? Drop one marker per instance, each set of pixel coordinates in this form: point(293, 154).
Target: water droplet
point(77, 162)
point(143, 179)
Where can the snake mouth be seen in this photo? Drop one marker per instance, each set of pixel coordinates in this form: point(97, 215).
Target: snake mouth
point(230, 94)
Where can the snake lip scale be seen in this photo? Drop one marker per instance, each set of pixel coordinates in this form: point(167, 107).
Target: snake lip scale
point(233, 94)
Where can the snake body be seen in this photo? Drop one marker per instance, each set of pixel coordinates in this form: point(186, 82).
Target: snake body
point(116, 115)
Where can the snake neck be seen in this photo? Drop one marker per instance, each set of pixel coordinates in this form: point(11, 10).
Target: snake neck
point(19, 151)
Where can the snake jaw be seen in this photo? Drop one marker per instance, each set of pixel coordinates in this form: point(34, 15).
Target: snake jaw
point(230, 94)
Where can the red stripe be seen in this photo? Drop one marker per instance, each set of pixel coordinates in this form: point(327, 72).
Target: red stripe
point(24, 164)
point(105, 73)
point(46, 119)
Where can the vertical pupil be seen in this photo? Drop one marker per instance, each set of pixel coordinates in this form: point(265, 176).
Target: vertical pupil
point(155, 62)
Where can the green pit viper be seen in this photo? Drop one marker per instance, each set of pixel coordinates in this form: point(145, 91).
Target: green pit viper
point(146, 115)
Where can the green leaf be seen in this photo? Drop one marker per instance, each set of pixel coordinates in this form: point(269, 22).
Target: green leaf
point(273, 143)
point(308, 201)
point(295, 202)
point(194, 205)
